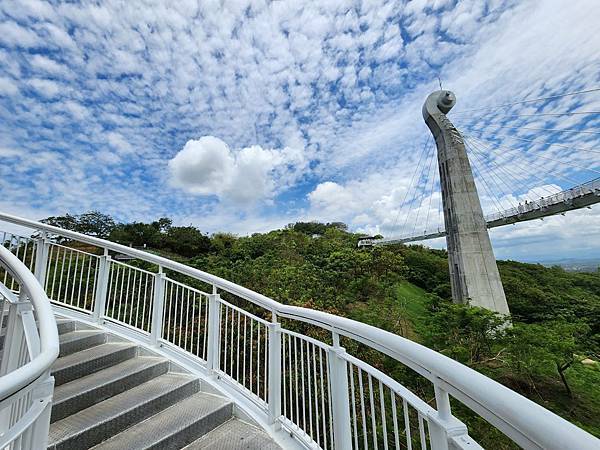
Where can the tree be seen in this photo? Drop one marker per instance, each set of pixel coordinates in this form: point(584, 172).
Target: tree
point(466, 333)
point(186, 241)
point(92, 223)
point(533, 348)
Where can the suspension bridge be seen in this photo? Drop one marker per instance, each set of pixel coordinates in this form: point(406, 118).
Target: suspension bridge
point(472, 157)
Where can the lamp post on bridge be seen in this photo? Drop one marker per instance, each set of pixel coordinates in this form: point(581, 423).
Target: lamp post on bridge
point(474, 275)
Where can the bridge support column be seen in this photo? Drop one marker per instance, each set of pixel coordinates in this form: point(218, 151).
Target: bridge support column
point(474, 275)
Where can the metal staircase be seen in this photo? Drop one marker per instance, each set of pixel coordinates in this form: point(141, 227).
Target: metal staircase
point(113, 394)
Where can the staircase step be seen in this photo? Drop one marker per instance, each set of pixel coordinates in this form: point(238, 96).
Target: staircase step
point(234, 435)
point(92, 425)
point(84, 392)
point(174, 427)
point(76, 341)
point(65, 325)
point(77, 365)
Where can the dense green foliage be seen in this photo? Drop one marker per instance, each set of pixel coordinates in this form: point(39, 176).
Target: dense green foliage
point(555, 322)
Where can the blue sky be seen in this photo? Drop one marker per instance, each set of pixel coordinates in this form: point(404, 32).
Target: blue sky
point(245, 116)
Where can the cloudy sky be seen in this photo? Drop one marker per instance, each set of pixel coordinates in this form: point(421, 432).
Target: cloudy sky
point(247, 115)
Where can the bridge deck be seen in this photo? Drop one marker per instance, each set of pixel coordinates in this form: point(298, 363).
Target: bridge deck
point(581, 196)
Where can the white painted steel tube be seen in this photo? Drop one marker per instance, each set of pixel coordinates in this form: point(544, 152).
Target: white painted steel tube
point(23, 376)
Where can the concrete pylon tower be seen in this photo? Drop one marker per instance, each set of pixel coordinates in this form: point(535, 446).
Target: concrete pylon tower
point(474, 274)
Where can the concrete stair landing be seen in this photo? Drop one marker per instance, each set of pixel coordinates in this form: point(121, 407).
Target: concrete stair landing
point(112, 394)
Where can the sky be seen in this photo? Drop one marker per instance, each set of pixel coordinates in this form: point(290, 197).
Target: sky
point(244, 116)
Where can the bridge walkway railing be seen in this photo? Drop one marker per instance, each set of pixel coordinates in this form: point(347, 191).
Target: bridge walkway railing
point(28, 347)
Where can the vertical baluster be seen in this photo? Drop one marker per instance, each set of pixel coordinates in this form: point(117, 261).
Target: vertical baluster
point(74, 279)
point(407, 425)
point(214, 332)
point(62, 269)
point(187, 320)
point(41, 258)
point(383, 415)
point(102, 282)
point(244, 346)
point(258, 360)
point(231, 343)
point(68, 280)
point(353, 400)
point(205, 343)
point(323, 398)
point(308, 384)
point(237, 353)
point(158, 302)
point(304, 427)
point(372, 405)
point(134, 294)
point(338, 389)
point(251, 372)
point(148, 285)
point(422, 433)
point(395, 419)
point(266, 360)
point(316, 396)
point(274, 378)
point(87, 283)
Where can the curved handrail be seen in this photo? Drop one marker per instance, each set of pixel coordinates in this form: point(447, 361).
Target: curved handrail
point(49, 345)
point(526, 422)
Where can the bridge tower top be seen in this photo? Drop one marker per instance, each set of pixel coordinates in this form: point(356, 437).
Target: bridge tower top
point(474, 275)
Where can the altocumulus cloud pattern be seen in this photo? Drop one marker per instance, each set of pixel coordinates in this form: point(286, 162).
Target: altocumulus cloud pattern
point(244, 116)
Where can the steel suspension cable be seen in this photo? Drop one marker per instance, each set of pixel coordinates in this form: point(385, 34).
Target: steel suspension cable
point(411, 182)
point(553, 130)
point(521, 102)
point(495, 179)
point(515, 177)
point(570, 147)
point(562, 162)
point(488, 145)
point(425, 190)
point(486, 187)
point(435, 174)
point(573, 113)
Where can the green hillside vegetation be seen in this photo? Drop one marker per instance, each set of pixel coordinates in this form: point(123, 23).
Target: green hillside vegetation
point(549, 354)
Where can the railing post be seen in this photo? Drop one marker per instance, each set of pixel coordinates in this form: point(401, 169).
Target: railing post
point(214, 331)
point(101, 287)
point(444, 427)
point(41, 427)
point(274, 370)
point(41, 258)
point(340, 400)
point(158, 307)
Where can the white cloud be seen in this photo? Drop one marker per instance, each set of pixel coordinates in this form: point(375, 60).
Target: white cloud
point(207, 166)
point(116, 141)
point(304, 93)
point(14, 35)
point(8, 87)
point(46, 88)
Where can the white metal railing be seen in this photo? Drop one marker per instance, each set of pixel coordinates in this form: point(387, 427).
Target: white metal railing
point(567, 196)
point(28, 350)
point(288, 363)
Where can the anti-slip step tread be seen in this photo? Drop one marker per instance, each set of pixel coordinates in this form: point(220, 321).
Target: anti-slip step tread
point(234, 435)
point(92, 425)
point(76, 341)
point(174, 427)
point(96, 387)
point(88, 361)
